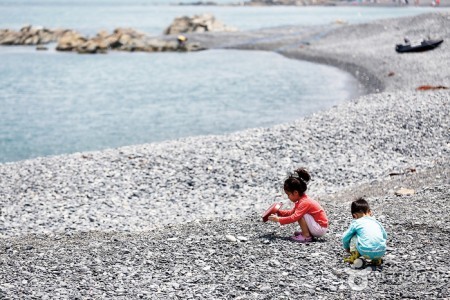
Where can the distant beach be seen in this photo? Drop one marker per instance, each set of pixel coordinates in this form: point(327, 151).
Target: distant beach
point(391, 3)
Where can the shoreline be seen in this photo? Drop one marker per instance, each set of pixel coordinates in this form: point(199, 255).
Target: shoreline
point(128, 219)
point(382, 3)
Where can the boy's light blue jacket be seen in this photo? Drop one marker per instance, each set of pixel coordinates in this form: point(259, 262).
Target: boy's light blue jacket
point(370, 234)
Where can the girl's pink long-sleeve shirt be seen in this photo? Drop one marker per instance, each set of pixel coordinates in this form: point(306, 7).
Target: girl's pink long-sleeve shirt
point(302, 207)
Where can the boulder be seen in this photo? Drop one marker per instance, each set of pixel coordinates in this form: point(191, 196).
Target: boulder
point(8, 37)
point(29, 35)
point(92, 46)
point(70, 41)
point(32, 39)
point(125, 39)
point(158, 45)
point(197, 23)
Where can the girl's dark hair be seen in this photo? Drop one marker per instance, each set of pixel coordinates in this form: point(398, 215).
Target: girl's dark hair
point(360, 205)
point(297, 181)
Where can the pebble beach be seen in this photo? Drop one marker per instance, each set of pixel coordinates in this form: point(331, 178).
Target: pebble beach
point(182, 219)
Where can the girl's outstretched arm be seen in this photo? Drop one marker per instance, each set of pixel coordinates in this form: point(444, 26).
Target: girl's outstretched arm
point(285, 213)
point(297, 213)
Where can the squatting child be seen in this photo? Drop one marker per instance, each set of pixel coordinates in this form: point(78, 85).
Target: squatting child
point(307, 212)
point(366, 236)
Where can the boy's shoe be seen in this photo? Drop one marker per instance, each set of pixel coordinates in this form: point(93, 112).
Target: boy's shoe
point(377, 261)
point(354, 255)
point(301, 239)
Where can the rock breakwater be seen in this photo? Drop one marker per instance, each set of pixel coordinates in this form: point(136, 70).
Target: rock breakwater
point(121, 39)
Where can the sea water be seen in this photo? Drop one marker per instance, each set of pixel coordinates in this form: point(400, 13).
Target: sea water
point(53, 103)
point(153, 16)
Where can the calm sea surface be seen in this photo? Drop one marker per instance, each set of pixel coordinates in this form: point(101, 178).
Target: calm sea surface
point(53, 103)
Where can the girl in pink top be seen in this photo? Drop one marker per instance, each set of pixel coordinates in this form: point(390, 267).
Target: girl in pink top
point(307, 212)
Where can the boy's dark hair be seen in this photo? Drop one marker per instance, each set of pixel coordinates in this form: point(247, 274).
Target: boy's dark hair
point(297, 181)
point(360, 205)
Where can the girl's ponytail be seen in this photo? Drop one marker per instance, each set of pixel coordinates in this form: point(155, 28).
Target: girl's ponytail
point(297, 181)
point(303, 175)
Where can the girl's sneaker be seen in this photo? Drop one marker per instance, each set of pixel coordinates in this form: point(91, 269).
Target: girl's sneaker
point(301, 239)
point(297, 233)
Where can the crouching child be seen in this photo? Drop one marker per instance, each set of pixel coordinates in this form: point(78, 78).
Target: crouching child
point(365, 237)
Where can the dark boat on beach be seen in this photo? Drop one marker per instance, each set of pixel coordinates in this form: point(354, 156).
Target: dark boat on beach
point(425, 45)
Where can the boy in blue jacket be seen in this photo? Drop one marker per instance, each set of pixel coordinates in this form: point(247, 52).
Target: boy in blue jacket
point(366, 236)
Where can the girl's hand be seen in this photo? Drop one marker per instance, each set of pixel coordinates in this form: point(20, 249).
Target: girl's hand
point(274, 218)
